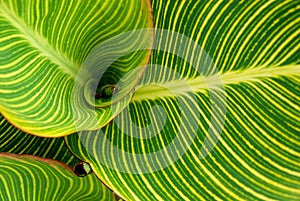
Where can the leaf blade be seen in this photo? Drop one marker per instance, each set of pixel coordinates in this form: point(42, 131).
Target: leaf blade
point(43, 48)
point(44, 179)
point(255, 48)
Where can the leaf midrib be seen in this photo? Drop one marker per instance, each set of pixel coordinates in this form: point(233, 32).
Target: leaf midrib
point(175, 88)
point(39, 42)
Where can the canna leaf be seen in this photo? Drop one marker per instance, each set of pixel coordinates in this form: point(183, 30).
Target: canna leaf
point(219, 123)
point(13, 140)
point(47, 79)
point(33, 178)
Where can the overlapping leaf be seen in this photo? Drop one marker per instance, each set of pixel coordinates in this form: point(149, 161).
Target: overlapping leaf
point(34, 178)
point(254, 46)
point(15, 141)
point(44, 69)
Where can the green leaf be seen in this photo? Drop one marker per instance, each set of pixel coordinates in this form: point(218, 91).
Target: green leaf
point(15, 141)
point(46, 74)
point(33, 178)
point(218, 124)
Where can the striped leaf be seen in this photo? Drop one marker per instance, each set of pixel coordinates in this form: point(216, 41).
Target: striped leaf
point(15, 141)
point(47, 80)
point(32, 178)
point(218, 124)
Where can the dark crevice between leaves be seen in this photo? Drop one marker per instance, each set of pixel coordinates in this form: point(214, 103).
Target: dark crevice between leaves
point(82, 169)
